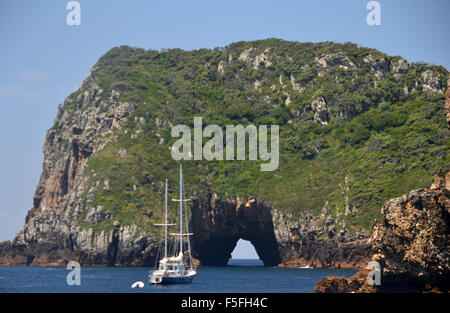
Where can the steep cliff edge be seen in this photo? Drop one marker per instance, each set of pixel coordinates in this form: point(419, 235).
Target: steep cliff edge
point(411, 245)
point(356, 126)
point(52, 233)
point(306, 243)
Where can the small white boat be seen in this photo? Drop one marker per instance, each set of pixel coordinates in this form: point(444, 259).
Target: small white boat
point(138, 284)
point(172, 270)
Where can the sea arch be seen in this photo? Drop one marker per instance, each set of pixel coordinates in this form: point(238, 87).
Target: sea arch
point(218, 225)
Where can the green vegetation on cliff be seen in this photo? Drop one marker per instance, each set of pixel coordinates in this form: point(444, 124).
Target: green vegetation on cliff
point(357, 127)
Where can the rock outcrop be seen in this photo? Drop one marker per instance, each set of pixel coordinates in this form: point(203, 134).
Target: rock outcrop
point(411, 245)
point(337, 59)
point(218, 225)
point(337, 284)
point(306, 241)
point(279, 239)
point(430, 82)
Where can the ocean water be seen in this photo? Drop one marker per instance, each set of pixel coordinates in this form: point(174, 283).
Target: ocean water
point(240, 276)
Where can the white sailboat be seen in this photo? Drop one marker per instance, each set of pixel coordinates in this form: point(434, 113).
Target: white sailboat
point(171, 269)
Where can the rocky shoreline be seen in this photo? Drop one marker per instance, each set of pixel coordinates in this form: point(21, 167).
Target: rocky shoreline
point(280, 240)
point(411, 245)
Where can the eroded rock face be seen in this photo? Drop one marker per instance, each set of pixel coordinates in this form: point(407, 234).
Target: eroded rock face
point(430, 82)
point(319, 107)
point(336, 59)
point(218, 225)
point(279, 239)
point(337, 284)
point(51, 234)
point(382, 66)
point(52, 239)
point(411, 245)
point(399, 67)
point(250, 56)
point(84, 131)
point(305, 241)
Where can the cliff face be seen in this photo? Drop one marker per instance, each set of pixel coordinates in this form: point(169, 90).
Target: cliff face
point(278, 239)
point(52, 233)
point(343, 112)
point(411, 245)
point(218, 225)
point(313, 241)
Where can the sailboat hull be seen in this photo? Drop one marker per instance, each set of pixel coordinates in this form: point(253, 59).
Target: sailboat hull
point(167, 280)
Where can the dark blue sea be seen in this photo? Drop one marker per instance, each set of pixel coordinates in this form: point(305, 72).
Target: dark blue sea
point(240, 276)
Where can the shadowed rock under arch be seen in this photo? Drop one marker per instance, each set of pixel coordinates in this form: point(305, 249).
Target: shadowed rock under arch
point(218, 225)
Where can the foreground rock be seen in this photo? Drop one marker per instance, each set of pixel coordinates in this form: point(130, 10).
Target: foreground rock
point(335, 283)
point(411, 245)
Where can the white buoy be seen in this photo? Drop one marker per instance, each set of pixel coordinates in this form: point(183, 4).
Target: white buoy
point(138, 284)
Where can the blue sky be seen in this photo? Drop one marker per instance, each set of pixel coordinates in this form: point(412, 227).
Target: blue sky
point(43, 59)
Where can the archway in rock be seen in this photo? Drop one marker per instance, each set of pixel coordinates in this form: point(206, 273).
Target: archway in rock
point(244, 250)
point(218, 225)
point(244, 254)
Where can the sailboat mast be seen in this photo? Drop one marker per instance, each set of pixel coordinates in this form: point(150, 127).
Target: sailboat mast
point(165, 223)
point(188, 234)
point(181, 208)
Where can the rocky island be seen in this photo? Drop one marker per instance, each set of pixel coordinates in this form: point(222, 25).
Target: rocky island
point(357, 127)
